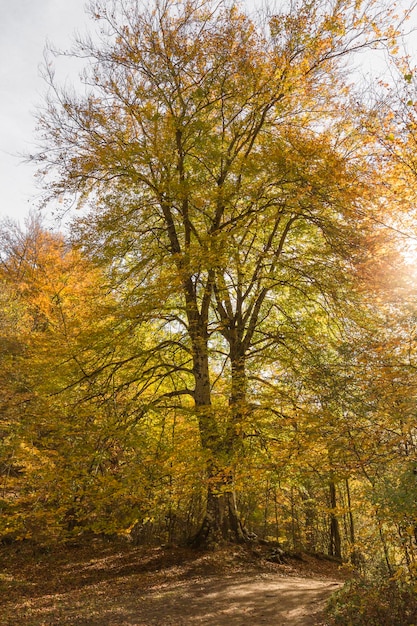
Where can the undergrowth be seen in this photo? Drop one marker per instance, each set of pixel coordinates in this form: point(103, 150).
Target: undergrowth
point(378, 602)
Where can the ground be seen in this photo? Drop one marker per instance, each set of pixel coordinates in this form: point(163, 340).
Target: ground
point(103, 583)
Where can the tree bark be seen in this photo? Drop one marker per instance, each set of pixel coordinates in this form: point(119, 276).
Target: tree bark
point(221, 522)
point(335, 548)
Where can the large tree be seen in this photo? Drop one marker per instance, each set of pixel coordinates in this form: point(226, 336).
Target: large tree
point(225, 188)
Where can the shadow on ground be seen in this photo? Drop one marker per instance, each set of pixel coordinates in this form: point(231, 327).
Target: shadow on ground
point(149, 587)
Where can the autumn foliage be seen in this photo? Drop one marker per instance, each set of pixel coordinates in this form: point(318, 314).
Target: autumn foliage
point(222, 345)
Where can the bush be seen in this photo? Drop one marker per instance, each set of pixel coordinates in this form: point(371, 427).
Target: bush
point(383, 602)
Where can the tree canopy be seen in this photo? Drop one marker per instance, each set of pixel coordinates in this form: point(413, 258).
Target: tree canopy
point(223, 345)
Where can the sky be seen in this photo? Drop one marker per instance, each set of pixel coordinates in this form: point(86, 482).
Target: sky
point(25, 27)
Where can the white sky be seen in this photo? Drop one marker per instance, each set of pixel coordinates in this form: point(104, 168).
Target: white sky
point(25, 25)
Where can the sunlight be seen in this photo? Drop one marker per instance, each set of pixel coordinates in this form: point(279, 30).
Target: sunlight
point(409, 253)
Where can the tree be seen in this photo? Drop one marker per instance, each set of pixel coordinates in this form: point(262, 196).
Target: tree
point(52, 448)
point(215, 160)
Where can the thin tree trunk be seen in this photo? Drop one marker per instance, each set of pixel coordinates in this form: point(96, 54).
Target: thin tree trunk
point(335, 548)
point(355, 555)
point(384, 546)
point(351, 520)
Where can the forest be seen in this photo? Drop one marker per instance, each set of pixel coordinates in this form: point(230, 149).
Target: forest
point(221, 344)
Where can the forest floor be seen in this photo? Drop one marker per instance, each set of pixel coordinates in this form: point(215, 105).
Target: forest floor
point(102, 583)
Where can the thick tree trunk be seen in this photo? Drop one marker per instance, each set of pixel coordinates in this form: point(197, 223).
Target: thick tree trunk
point(221, 522)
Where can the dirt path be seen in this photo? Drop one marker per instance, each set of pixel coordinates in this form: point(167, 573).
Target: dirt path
point(236, 601)
point(105, 586)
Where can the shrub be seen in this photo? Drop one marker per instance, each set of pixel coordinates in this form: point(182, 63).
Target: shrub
point(383, 602)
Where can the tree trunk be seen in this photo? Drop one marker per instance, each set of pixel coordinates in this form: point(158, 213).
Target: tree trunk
point(355, 556)
point(335, 548)
point(221, 522)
